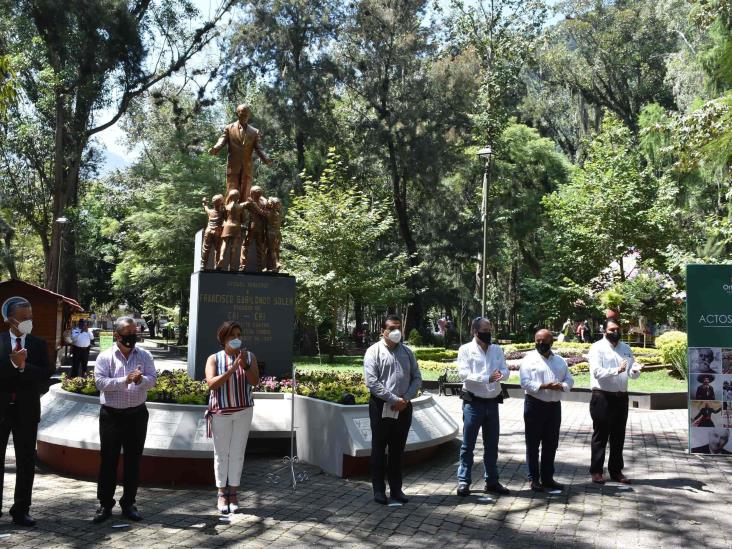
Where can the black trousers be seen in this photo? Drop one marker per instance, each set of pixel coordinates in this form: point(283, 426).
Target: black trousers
point(609, 413)
point(24, 441)
point(391, 434)
point(542, 421)
point(79, 361)
point(120, 430)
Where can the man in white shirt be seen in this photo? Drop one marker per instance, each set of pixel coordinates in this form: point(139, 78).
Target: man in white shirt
point(545, 378)
point(481, 367)
point(82, 340)
point(611, 364)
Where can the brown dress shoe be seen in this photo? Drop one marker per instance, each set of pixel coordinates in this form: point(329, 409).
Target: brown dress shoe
point(597, 478)
point(620, 478)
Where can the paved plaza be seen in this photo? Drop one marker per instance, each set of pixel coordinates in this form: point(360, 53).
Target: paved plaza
point(676, 500)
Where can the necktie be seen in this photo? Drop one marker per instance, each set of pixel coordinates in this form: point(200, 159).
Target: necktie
point(18, 346)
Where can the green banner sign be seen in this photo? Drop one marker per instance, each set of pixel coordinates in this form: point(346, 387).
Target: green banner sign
point(709, 320)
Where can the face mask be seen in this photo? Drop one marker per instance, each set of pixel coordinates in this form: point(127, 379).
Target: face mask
point(25, 327)
point(614, 337)
point(543, 347)
point(128, 340)
point(485, 337)
point(395, 336)
point(234, 344)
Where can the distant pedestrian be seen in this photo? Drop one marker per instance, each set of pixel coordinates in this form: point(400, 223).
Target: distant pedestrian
point(81, 341)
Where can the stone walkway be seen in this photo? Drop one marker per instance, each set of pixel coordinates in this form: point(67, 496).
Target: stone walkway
point(677, 500)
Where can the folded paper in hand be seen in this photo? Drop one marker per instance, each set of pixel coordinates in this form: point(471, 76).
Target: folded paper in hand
point(387, 412)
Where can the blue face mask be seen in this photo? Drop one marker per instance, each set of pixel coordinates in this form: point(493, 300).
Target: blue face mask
point(234, 343)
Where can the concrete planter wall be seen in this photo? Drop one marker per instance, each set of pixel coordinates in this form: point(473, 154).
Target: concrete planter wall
point(177, 450)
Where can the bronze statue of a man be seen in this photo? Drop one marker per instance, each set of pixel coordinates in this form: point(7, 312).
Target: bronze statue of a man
point(242, 141)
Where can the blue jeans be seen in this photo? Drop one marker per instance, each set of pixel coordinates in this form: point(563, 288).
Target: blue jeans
point(479, 414)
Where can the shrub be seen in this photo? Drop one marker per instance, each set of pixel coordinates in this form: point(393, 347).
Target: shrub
point(435, 366)
point(433, 353)
point(415, 338)
point(673, 349)
point(579, 368)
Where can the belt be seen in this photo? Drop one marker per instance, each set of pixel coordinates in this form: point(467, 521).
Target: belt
point(123, 411)
point(547, 402)
point(611, 393)
point(483, 399)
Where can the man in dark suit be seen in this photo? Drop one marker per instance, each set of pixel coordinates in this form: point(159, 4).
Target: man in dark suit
point(24, 373)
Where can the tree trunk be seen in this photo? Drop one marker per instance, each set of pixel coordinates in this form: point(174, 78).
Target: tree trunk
point(414, 313)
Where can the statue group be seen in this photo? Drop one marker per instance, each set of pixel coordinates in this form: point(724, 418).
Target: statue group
point(244, 228)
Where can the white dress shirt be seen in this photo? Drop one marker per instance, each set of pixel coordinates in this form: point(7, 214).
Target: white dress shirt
point(605, 360)
point(82, 339)
point(476, 366)
point(537, 370)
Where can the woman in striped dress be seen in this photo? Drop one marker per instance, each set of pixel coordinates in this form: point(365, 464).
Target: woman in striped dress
point(231, 373)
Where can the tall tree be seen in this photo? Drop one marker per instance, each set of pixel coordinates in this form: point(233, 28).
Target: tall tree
point(285, 45)
point(79, 58)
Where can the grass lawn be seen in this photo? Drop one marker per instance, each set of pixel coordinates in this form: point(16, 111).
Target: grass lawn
point(657, 381)
point(347, 364)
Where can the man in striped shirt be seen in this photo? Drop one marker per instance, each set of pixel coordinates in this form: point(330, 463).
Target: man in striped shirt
point(123, 374)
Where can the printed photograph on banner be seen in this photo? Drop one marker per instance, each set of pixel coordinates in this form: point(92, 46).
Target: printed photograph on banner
point(727, 361)
point(727, 388)
point(726, 414)
point(706, 413)
point(705, 387)
point(705, 360)
point(710, 440)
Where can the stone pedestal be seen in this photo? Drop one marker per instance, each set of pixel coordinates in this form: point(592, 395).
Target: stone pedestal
point(264, 305)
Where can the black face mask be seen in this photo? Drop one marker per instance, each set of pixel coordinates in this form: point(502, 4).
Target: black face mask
point(543, 347)
point(485, 337)
point(614, 337)
point(128, 340)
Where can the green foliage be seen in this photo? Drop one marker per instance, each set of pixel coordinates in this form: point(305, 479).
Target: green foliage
point(608, 209)
point(580, 368)
point(673, 348)
point(434, 353)
point(330, 243)
point(415, 338)
point(648, 294)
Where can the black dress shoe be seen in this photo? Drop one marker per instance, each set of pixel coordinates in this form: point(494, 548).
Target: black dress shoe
point(497, 488)
point(463, 489)
point(24, 520)
point(398, 496)
point(380, 497)
point(536, 487)
point(102, 514)
point(131, 513)
point(553, 485)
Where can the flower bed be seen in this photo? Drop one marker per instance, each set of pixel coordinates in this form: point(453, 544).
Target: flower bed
point(177, 388)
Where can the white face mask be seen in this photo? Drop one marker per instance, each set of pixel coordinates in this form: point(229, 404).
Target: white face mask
point(25, 327)
point(234, 344)
point(395, 336)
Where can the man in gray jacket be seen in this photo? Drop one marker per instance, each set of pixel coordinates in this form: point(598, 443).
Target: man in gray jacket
point(393, 377)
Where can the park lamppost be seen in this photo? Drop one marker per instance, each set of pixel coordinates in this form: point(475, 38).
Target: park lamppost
point(485, 154)
point(62, 221)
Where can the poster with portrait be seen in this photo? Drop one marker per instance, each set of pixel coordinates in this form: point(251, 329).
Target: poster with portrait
point(709, 320)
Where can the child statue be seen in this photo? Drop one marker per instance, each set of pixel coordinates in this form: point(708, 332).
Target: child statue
point(231, 234)
point(257, 233)
point(212, 234)
point(274, 233)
